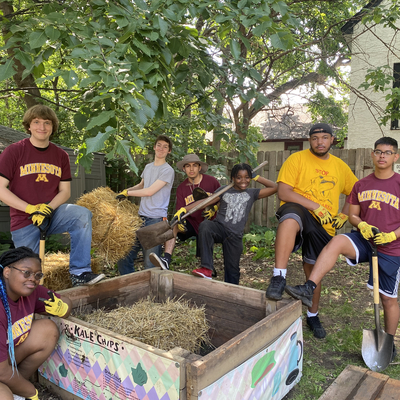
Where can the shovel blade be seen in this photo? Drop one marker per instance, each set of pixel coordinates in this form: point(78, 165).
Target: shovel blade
point(152, 235)
point(377, 349)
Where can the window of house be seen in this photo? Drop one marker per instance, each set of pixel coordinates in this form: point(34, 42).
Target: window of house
point(396, 84)
point(293, 146)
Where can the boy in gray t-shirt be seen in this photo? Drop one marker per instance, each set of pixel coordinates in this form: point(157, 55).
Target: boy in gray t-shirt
point(227, 228)
point(154, 190)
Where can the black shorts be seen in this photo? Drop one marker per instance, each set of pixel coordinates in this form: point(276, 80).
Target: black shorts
point(190, 232)
point(312, 237)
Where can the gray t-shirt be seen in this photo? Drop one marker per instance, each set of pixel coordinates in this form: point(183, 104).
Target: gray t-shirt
point(156, 206)
point(235, 207)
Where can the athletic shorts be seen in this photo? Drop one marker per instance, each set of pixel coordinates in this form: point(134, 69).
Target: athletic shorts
point(312, 237)
point(388, 266)
point(190, 232)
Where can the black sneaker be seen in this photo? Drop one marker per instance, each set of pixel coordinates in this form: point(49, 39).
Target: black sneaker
point(160, 262)
point(276, 287)
point(315, 325)
point(394, 353)
point(301, 292)
point(214, 273)
point(87, 278)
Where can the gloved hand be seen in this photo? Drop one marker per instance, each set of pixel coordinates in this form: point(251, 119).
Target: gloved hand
point(123, 195)
point(255, 176)
point(42, 209)
point(54, 305)
point(210, 211)
point(323, 215)
point(384, 238)
point(339, 220)
point(366, 230)
point(35, 397)
point(181, 222)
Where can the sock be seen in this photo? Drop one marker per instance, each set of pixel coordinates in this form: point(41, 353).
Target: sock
point(312, 284)
point(310, 314)
point(280, 272)
point(167, 257)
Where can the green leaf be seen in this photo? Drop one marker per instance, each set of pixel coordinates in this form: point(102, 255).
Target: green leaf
point(260, 29)
point(138, 141)
point(263, 99)
point(132, 101)
point(37, 39)
point(70, 78)
point(80, 120)
point(280, 7)
point(138, 117)
point(235, 49)
point(24, 58)
point(152, 98)
point(255, 75)
point(7, 70)
point(97, 143)
point(52, 33)
point(146, 66)
point(123, 148)
point(100, 119)
point(281, 40)
point(163, 26)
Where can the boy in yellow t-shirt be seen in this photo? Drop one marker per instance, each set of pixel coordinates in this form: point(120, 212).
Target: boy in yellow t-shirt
point(309, 185)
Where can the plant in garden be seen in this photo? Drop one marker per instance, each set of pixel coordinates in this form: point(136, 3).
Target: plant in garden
point(261, 241)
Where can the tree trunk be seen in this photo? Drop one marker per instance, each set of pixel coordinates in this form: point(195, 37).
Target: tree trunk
point(33, 93)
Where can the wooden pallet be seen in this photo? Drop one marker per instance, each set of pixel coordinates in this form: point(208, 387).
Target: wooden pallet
point(356, 383)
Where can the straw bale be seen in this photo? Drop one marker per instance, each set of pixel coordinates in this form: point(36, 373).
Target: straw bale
point(56, 270)
point(175, 323)
point(114, 223)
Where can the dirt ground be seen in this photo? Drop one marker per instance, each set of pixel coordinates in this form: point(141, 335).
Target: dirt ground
point(343, 287)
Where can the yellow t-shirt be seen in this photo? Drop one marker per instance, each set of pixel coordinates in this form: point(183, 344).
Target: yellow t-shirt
point(321, 181)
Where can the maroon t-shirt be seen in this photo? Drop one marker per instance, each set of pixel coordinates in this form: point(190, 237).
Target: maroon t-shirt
point(184, 196)
point(379, 206)
point(34, 175)
point(22, 313)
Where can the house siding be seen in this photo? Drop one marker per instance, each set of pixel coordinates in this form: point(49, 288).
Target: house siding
point(369, 51)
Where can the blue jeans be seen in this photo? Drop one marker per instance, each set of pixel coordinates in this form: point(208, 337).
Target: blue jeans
point(127, 264)
point(71, 218)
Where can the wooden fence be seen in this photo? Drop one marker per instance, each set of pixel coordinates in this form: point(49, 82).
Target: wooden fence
point(263, 211)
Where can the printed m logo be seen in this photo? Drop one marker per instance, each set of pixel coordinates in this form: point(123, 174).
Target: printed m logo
point(41, 178)
point(375, 204)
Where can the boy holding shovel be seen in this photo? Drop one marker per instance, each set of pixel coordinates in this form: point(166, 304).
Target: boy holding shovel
point(35, 181)
point(196, 179)
point(228, 226)
point(154, 190)
point(374, 203)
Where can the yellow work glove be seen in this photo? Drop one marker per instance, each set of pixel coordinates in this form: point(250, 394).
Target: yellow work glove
point(366, 230)
point(35, 397)
point(42, 209)
point(123, 195)
point(181, 222)
point(38, 219)
point(323, 215)
point(339, 220)
point(209, 212)
point(384, 238)
point(255, 176)
point(54, 305)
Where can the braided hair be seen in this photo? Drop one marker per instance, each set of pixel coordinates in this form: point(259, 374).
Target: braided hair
point(241, 167)
point(8, 258)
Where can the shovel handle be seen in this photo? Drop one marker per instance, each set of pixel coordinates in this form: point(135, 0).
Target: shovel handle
point(210, 199)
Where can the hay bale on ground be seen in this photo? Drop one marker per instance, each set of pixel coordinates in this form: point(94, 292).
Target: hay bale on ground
point(175, 323)
point(114, 223)
point(56, 270)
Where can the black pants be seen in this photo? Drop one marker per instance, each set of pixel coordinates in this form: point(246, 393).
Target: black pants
point(211, 232)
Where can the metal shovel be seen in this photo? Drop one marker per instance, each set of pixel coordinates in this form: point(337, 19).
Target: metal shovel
point(377, 345)
point(153, 235)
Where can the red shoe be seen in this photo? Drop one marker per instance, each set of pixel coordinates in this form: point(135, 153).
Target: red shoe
point(202, 272)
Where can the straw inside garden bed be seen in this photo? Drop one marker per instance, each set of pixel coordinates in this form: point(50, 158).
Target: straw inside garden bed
point(175, 323)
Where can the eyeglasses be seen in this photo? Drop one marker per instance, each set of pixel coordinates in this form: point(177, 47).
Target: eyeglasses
point(27, 274)
point(387, 152)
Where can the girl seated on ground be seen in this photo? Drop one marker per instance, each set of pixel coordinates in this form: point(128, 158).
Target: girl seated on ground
point(228, 226)
point(25, 343)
